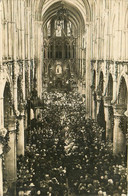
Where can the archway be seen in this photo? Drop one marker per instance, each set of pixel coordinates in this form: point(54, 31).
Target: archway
point(122, 97)
point(109, 116)
point(100, 105)
point(8, 110)
point(120, 121)
point(19, 94)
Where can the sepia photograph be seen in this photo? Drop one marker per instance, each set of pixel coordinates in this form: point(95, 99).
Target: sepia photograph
point(64, 97)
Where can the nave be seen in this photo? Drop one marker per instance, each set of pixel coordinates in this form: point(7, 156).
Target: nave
point(67, 155)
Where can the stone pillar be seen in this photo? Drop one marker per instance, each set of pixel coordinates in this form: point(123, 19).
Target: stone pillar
point(1, 112)
point(10, 157)
point(108, 122)
point(126, 114)
point(1, 171)
point(15, 85)
point(29, 75)
point(25, 119)
point(94, 105)
point(88, 73)
point(20, 142)
point(98, 104)
point(108, 118)
point(119, 139)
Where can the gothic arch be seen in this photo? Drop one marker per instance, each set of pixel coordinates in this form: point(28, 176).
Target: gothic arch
point(100, 87)
point(94, 79)
point(122, 79)
point(19, 93)
point(82, 5)
point(7, 80)
point(75, 14)
point(8, 109)
point(122, 96)
point(110, 87)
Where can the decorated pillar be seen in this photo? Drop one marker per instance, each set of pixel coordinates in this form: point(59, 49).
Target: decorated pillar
point(10, 157)
point(94, 104)
point(119, 138)
point(1, 170)
point(3, 133)
point(88, 73)
point(1, 146)
point(1, 112)
point(20, 140)
point(108, 118)
point(98, 103)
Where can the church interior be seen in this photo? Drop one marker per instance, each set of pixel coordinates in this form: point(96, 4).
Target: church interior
point(63, 97)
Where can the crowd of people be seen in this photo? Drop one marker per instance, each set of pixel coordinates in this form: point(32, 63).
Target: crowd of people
point(66, 154)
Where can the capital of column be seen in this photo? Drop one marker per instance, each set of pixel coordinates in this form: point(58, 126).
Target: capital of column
point(119, 110)
point(21, 116)
point(12, 131)
point(99, 97)
point(107, 101)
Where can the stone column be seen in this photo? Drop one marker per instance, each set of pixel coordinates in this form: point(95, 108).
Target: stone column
point(10, 157)
point(1, 171)
point(1, 112)
point(1, 146)
point(98, 103)
point(119, 139)
point(108, 118)
point(29, 75)
point(15, 85)
point(126, 114)
point(1, 30)
point(20, 142)
point(94, 105)
point(88, 73)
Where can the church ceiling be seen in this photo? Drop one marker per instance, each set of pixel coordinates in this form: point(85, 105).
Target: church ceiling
point(81, 7)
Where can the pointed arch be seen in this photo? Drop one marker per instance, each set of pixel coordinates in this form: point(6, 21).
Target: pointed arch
point(8, 110)
point(122, 96)
point(110, 87)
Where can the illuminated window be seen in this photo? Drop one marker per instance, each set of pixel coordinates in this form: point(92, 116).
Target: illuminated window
point(59, 25)
point(49, 28)
point(69, 28)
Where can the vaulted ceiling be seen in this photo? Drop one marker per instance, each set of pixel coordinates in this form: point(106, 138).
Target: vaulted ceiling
point(78, 9)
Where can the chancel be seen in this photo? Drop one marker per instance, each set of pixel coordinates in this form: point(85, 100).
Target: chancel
point(63, 97)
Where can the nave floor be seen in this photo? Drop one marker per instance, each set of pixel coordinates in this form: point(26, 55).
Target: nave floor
point(66, 154)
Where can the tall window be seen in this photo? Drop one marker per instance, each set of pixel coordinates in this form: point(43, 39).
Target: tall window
point(69, 28)
point(59, 25)
point(49, 28)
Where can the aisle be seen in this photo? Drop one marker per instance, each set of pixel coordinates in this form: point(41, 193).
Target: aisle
point(65, 154)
